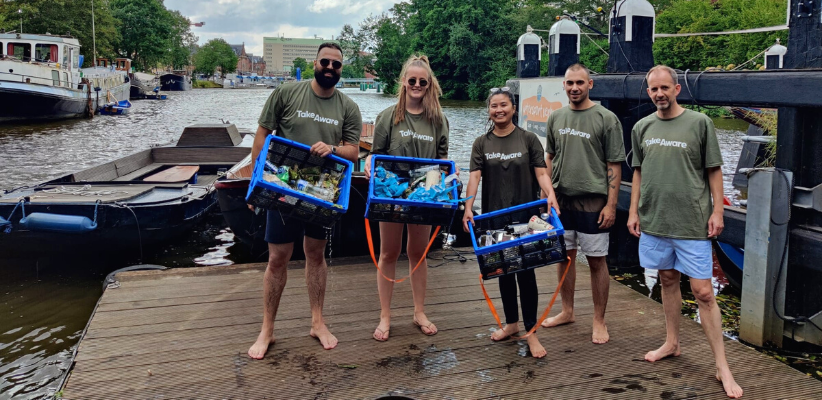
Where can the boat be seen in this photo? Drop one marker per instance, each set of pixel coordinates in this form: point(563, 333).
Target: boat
point(175, 81)
point(119, 108)
point(731, 258)
point(41, 79)
point(137, 201)
point(143, 84)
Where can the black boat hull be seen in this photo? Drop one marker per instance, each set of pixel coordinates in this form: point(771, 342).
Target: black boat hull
point(36, 102)
point(175, 83)
point(116, 232)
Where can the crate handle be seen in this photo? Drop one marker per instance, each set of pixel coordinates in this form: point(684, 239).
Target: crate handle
point(374, 258)
point(544, 314)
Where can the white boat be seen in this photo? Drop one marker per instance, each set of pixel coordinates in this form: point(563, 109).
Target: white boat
point(41, 78)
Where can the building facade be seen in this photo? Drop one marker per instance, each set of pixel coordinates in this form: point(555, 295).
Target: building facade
point(279, 52)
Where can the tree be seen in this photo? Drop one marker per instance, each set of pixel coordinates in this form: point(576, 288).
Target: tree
point(216, 53)
point(183, 41)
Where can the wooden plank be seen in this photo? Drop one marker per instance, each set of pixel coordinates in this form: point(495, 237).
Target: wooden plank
point(129, 164)
point(139, 172)
point(210, 135)
point(199, 155)
point(177, 173)
point(195, 344)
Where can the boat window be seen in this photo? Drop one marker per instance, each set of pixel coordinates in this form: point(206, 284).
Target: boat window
point(19, 50)
point(45, 52)
point(65, 55)
point(56, 77)
point(1, 49)
point(66, 82)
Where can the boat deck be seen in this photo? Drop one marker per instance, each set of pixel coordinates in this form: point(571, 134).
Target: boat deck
point(184, 333)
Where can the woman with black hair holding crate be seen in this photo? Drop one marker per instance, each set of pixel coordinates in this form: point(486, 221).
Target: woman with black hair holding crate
point(512, 161)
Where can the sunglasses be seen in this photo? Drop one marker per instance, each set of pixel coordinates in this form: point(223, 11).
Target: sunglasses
point(504, 89)
point(334, 63)
point(413, 82)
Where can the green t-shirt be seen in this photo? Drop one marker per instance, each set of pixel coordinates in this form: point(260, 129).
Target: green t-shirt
point(674, 154)
point(298, 114)
point(507, 165)
point(415, 136)
point(582, 142)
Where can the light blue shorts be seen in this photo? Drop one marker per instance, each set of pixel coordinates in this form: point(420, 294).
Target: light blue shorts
point(690, 257)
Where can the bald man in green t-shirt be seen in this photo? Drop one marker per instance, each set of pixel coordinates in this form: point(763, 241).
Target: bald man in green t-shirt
point(315, 114)
point(585, 151)
point(677, 171)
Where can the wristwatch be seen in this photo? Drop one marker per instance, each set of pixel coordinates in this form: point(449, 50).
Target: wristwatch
point(333, 149)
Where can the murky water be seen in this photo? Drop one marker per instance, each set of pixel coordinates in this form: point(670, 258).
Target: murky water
point(46, 302)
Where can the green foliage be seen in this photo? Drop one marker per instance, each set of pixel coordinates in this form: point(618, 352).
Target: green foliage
point(215, 53)
point(306, 68)
point(591, 54)
point(700, 52)
point(350, 71)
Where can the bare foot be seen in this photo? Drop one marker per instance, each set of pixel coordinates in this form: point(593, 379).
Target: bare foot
point(560, 319)
point(732, 389)
point(505, 332)
point(600, 335)
point(537, 351)
point(381, 333)
point(326, 338)
point(426, 326)
point(667, 350)
point(260, 347)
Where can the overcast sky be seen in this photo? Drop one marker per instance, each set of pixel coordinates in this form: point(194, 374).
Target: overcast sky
point(248, 21)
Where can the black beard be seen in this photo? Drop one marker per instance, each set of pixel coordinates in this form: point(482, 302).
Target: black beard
point(324, 81)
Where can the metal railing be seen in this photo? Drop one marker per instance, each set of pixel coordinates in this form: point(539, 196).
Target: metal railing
point(38, 80)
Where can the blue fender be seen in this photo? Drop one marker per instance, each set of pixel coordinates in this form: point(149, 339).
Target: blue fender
point(57, 223)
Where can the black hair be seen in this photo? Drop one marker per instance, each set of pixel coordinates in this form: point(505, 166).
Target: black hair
point(331, 45)
point(514, 119)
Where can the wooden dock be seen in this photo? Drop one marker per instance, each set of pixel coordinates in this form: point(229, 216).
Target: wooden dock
point(184, 333)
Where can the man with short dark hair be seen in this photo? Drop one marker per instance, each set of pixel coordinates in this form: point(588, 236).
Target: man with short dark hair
point(677, 170)
point(585, 151)
point(315, 114)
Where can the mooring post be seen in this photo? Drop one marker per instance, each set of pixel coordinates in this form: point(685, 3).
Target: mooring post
point(563, 46)
point(765, 273)
point(775, 56)
point(529, 54)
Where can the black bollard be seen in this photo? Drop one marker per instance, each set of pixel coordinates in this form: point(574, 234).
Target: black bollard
point(631, 36)
point(529, 54)
point(563, 46)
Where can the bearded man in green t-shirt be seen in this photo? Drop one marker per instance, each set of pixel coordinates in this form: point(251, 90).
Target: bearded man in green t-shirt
point(677, 170)
point(315, 114)
point(585, 151)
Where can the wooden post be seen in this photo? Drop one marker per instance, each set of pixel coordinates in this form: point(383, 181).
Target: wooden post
point(529, 54)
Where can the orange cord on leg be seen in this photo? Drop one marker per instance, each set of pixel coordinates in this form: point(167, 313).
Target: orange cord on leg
point(374, 258)
point(544, 314)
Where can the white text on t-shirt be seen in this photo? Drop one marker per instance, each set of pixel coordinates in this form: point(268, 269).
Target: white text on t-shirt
point(317, 118)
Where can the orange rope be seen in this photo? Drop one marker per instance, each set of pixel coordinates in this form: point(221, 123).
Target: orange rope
point(544, 314)
point(374, 258)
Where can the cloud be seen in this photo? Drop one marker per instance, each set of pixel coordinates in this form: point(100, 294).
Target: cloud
point(249, 21)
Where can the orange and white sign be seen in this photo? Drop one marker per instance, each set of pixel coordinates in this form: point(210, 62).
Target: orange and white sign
point(538, 98)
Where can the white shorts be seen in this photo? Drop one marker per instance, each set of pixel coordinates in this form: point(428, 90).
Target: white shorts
point(592, 245)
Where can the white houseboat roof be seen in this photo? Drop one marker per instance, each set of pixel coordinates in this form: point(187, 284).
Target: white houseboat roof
point(39, 38)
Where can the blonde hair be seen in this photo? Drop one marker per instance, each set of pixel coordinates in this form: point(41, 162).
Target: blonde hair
point(430, 102)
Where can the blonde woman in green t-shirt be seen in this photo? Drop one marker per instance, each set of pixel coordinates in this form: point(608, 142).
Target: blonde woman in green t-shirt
point(414, 127)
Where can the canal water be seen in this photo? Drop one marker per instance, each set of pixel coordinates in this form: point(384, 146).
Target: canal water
point(45, 303)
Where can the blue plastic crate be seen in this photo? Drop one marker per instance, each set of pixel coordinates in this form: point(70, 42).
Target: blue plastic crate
point(527, 252)
point(410, 211)
point(291, 203)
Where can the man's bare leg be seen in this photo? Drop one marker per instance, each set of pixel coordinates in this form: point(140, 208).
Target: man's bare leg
point(390, 246)
point(315, 275)
point(276, 274)
point(418, 236)
point(672, 304)
point(566, 316)
point(600, 283)
point(711, 320)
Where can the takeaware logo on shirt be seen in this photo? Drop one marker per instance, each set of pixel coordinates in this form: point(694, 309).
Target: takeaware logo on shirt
point(666, 143)
point(318, 118)
point(574, 132)
point(503, 157)
point(416, 135)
